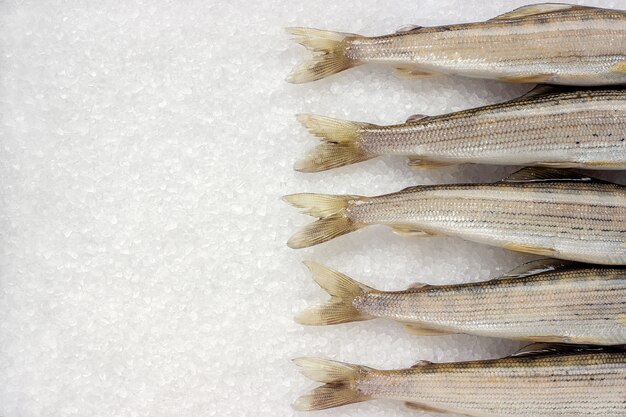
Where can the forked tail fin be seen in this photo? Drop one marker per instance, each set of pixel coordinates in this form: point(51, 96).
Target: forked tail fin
point(340, 383)
point(333, 59)
point(341, 143)
point(343, 291)
point(333, 218)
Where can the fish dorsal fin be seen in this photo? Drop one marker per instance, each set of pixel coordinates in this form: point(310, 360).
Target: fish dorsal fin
point(541, 349)
point(408, 28)
point(417, 286)
point(542, 90)
point(418, 162)
point(415, 117)
point(421, 364)
point(537, 9)
point(539, 174)
point(537, 267)
point(409, 230)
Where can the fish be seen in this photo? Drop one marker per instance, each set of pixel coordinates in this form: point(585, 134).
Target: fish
point(559, 127)
point(555, 213)
point(545, 300)
point(540, 43)
point(542, 380)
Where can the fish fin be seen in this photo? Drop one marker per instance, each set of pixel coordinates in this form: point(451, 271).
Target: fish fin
point(410, 230)
point(543, 90)
point(527, 79)
point(619, 67)
point(536, 9)
point(541, 174)
point(420, 330)
point(340, 380)
point(539, 266)
point(421, 364)
point(333, 59)
point(333, 222)
point(408, 28)
point(341, 143)
point(425, 408)
point(417, 286)
point(415, 117)
point(412, 72)
point(539, 349)
point(342, 289)
point(417, 162)
point(536, 250)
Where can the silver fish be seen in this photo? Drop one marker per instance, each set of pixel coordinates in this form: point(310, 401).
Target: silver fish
point(554, 127)
point(541, 43)
point(542, 301)
point(541, 381)
point(544, 211)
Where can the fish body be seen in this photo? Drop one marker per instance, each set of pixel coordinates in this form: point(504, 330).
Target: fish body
point(580, 382)
point(544, 301)
point(551, 127)
point(541, 43)
point(548, 212)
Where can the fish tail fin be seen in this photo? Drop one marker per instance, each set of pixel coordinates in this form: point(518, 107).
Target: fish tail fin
point(340, 383)
point(343, 291)
point(341, 143)
point(333, 59)
point(333, 218)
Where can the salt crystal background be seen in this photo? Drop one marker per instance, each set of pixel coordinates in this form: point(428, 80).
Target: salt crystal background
point(144, 149)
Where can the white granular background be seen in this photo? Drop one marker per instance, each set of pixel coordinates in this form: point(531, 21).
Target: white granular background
point(145, 146)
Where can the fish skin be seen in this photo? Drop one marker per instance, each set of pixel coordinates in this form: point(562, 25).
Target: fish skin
point(575, 45)
point(555, 127)
point(579, 383)
point(581, 220)
point(571, 303)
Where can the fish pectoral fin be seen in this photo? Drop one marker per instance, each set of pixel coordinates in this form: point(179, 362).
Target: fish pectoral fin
point(619, 67)
point(410, 230)
point(412, 72)
point(527, 78)
point(539, 266)
point(425, 408)
point(419, 330)
point(536, 9)
point(417, 162)
point(536, 250)
point(539, 174)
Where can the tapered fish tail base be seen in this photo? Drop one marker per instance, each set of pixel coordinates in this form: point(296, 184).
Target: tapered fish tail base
point(333, 218)
point(340, 384)
point(340, 143)
point(343, 291)
point(333, 59)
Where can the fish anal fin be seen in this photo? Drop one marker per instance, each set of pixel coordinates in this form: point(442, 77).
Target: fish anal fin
point(619, 67)
point(536, 250)
point(425, 408)
point(419, 330)
point(412, 72)
point(540, 174)
point(417, 162)
point(410, 230)
point(534, 10)
point(527, 78)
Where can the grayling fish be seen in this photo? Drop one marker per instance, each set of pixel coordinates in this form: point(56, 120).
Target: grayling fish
point(555, 127)
point(543, 211)
point(541, 43)
point(541, 381)
point(542, 301)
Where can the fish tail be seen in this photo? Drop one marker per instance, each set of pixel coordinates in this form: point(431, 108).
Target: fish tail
point(343, 291)
point(340, 384)
point(333, 59)
point(341, 143)
point(333, 218)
